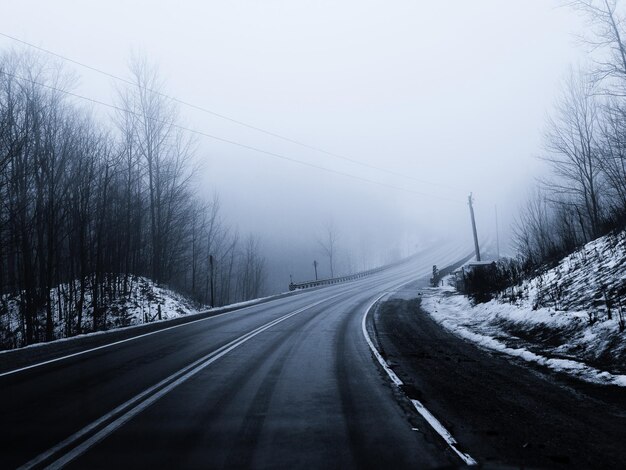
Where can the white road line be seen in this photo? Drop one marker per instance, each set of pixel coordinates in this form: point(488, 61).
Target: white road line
point(443, 432)
point(421, 409)
point(108, 345)
point(140, 402)
point(392, 375)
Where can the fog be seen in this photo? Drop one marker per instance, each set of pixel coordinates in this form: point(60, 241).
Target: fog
point(452, 95)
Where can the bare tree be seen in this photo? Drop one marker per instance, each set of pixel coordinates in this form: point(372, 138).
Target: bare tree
point(251, 273)
point(612, 154)
point(328, 244)
point(166, 153)
point(607, 33)
point(572, 151)
point(532, 229)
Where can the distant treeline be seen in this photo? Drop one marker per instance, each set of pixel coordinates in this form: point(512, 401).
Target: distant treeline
point(584, 197)
point(86, 202)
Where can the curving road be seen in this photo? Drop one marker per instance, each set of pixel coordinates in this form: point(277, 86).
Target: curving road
point(283, 384)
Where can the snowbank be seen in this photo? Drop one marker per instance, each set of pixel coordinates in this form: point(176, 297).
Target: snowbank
point(491, 324)
point(144, 302)
point(567, 319)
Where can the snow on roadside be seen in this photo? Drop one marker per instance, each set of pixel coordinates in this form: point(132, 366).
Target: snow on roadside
point(136, 309)
point(142, 304)
point(509, 329)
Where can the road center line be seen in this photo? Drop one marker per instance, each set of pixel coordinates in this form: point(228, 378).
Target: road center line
point(419, 407)
point(126, 411)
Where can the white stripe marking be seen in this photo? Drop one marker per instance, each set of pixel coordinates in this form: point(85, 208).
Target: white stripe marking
point(136, 404)
point(392, 375)
point(442, 431)
point(421, 409)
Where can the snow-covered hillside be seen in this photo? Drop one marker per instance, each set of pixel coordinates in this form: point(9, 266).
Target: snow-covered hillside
point(145, 302)
point(570, 318)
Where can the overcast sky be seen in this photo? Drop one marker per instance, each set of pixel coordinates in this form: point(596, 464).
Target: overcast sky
point(453, 94)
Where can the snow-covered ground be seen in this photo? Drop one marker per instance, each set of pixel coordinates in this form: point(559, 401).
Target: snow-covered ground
point(140, 305)
point(559, 319)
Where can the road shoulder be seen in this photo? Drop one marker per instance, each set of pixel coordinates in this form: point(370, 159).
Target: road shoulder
point(502, 411)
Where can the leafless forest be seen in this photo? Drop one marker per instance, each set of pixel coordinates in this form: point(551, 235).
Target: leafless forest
point(584, 196)
point(90, 203)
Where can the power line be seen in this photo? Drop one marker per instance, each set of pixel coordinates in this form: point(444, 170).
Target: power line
point(228, 141)
point(227, 118)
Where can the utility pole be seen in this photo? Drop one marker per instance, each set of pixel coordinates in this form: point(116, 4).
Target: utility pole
point(315, 266)
point(497, 234)
point(212, 276)
point(476, 248)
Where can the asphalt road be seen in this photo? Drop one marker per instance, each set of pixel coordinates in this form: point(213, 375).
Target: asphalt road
point(288, 383)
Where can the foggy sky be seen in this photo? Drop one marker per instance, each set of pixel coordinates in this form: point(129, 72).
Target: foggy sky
point(453, 93)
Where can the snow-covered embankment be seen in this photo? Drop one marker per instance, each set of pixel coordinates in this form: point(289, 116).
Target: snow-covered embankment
point(567, 319)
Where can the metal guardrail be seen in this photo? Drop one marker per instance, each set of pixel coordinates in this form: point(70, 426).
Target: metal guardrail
point(334, 280)
point(439, 274)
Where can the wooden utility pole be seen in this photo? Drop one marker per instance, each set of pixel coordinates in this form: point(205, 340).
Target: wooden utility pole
point(315, 266)
point(497, 234)
point(212, 276)
point(476, 248)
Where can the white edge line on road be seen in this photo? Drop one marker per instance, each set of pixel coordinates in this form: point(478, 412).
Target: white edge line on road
point(419, 407)
point(138, 405)
point(108, 345)
point(442, 431)
point(392, 375)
